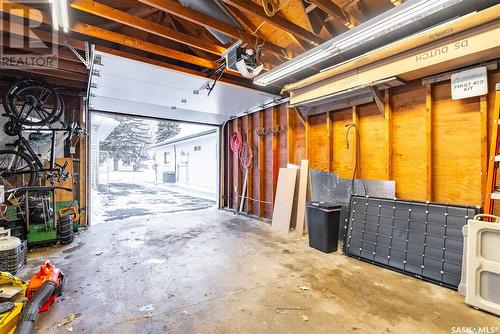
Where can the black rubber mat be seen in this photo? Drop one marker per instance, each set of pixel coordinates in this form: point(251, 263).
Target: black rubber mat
point(416, 238)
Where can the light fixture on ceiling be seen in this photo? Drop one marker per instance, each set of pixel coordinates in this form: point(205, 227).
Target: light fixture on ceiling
point(397, 18)
point(60, 17)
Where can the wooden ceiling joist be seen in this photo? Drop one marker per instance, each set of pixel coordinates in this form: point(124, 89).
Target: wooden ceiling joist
point(54, 80)
point(112, 14)
point(111, 36)
point(186, 13)
point(45, 36)
point(315, 16)
point(58, 74)
point(332, 10)
point(64, 54)
point(141, 12)
point(134, 43)
point(247, 24)
point(276, 20)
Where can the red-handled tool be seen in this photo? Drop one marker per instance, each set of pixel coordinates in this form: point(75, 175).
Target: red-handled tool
point(43, 289)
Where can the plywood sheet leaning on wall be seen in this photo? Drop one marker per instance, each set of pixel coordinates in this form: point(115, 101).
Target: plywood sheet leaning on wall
point(293, 219)
point(302, 198)
point(283, 201)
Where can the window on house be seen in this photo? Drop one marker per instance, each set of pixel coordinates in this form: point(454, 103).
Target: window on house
point(197, 148)
point(166, 157)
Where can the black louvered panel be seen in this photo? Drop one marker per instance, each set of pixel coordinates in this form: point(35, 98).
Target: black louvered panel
point(416, 238)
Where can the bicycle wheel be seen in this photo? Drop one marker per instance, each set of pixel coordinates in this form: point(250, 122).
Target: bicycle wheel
point(61, 113)
point(16, 169)
point(32, 102)
point(12, 88)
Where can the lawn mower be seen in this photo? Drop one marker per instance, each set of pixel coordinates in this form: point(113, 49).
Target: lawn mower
point(21, 302)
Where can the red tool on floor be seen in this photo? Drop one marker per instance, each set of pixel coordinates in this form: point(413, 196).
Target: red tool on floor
point(43, 289)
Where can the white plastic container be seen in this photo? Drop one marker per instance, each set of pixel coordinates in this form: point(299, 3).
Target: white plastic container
point(483, 263)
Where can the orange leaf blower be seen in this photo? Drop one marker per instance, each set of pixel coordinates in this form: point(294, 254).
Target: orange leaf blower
point(43, 289)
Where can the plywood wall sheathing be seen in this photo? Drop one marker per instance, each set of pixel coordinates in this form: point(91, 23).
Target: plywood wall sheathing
point(409, 141)
point(457, 147)
point(262, 166)
point(432, 146)
point(429, 140)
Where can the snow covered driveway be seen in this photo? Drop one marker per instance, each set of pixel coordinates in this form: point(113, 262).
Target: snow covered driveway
point(124, 200)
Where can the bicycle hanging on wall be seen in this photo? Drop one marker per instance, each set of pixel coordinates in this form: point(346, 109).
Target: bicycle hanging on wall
point(35, 114)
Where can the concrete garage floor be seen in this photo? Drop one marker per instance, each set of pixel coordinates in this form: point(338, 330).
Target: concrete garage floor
point(213, 272)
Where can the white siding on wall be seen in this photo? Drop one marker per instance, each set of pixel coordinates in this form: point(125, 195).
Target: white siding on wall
point(195, 168)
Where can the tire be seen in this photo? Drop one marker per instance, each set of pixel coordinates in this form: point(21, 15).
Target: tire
point(65, 228)
point(17, 228)
point(22, 163)
point(10, 91)
point(18, 231)
point(61, 113)
point(12, 128)
point(28, 102)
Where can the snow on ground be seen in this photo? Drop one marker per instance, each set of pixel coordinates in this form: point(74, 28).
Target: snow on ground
point(136, 194)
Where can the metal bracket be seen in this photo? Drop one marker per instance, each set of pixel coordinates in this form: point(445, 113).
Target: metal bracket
point(379, 99)
point(85, 61)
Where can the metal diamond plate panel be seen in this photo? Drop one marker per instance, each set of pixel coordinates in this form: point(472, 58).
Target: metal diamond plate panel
point(322, 185)
point(328, 187)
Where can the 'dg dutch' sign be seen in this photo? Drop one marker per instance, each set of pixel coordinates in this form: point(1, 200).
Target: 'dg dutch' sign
point(469, 83)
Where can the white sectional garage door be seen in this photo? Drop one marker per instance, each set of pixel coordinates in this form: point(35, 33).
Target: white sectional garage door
point(127, 86)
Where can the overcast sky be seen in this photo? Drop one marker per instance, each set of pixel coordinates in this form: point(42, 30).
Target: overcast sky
point(190, 129)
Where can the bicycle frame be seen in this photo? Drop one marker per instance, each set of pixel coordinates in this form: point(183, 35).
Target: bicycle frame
point(23, 142)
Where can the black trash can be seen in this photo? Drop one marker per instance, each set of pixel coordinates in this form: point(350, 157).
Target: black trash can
point(323, 224)
point(168, 177)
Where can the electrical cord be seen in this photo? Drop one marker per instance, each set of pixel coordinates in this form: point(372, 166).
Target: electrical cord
point(358, 149)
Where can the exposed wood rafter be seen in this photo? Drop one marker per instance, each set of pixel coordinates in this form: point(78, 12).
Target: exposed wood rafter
point(315, 16)
point(106, 35)
point(141, 12)
point(276, 20)
point(175, 8)
point(247, 24)
point(332, 10)
point(109, 13)
point(111, 36)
